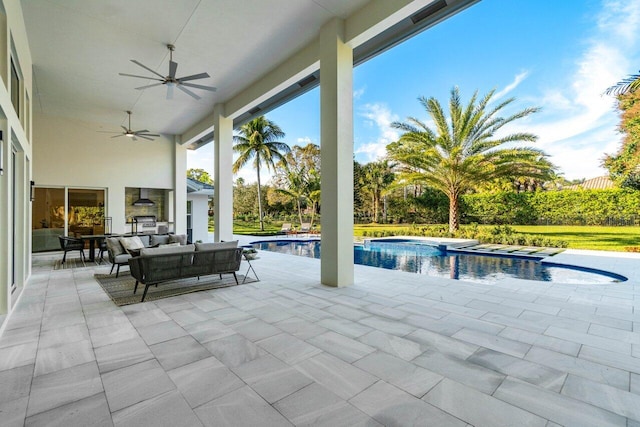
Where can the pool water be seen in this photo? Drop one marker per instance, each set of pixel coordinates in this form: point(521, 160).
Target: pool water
point(431, 261)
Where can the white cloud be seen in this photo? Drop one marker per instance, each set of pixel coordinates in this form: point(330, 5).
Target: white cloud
point(516, 81)
point(305, 140)
point(578, 124)
point(378, 115)
point(357, 94)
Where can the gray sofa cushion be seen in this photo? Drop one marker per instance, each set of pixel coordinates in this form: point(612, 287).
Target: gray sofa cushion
point(121, 259)
point(114, 247)
point(167, 250)
point(180, 238)
point(156, 240)
point(145, 239)
point(217, 245)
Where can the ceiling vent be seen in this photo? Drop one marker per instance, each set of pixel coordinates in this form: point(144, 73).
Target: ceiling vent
point(143, 200)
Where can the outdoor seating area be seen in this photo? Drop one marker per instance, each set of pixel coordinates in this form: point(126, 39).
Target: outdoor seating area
point(304, 228)
point(394, 348)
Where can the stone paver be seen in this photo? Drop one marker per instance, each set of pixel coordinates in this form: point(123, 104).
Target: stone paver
point(393, 349)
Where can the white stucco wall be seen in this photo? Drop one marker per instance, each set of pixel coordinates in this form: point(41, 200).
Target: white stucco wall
point(73, 153)
point(199, 216)
point(15, 129)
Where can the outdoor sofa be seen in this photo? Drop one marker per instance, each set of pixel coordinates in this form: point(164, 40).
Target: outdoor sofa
point(163, 264)
point(120, 248)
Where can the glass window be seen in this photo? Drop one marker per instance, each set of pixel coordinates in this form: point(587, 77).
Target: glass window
point(15, 88)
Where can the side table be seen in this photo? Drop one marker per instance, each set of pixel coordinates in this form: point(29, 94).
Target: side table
point(250, 268)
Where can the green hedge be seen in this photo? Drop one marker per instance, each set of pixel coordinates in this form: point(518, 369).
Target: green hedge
point(503, 235)
point(584, 207)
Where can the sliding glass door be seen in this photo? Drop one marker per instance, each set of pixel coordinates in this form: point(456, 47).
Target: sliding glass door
point(65, 211)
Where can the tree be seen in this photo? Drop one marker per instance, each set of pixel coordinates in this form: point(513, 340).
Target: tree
point(299, 177)
point(200, 175)
point(377, 177)
point(628, 85)
point(295, 189)
point(464, 150)
point(624, 166)
point(258, 140)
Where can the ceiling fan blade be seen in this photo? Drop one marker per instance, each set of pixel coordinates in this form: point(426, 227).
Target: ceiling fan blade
point(209, 88)
point(141, 77)
point(194, 77)
point(125, 129)
point(147, 134)
point(188, 92)
point(134, 138)
point(170, 91)
point(140, 131)
point(148, 86)
point(118, 136)
point(147, 68)
point(173, 67)
point(144, 137)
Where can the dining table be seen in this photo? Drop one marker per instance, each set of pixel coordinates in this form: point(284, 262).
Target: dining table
point(92, 239)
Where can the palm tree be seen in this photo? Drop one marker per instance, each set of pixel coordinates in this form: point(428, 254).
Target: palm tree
point(377, 177)
point(464, 150)
point(296, 188)
point(258, 140)
point(628, 85)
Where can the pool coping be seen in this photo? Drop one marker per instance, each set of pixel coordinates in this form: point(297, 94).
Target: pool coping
point(619, 263)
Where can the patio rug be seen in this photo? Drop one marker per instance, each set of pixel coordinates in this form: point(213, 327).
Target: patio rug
point(73, 263)
point(120, 289)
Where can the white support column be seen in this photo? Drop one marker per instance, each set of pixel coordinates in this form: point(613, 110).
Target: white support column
point(223, 176)
point(336, 142)
point(180, 188)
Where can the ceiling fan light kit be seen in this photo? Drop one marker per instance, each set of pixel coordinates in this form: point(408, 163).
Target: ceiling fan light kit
point(134, 134)
point(171, 81)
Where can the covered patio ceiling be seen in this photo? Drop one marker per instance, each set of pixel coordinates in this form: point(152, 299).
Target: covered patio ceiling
point(79, 47)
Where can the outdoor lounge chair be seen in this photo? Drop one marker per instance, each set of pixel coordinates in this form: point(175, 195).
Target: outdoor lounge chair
point(286, 228)
point(305, 228)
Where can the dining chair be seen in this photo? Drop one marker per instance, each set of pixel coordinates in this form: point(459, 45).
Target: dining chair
point(69, 244)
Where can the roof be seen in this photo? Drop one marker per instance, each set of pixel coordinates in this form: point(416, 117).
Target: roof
point(597, 183)
point(198, 187)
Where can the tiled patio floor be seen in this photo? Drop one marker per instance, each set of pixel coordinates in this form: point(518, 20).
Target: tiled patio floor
point(393, 349)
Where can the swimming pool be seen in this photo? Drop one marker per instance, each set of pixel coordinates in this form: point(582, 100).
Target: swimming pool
point(429, 260)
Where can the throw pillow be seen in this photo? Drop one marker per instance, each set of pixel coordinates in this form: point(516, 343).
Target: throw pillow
point(158, 240)
point(178, 238)
point(114, 246)
point(131, 243)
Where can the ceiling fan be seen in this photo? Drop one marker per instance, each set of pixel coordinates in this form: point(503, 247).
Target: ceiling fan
point(144, 133)
point(171, 81)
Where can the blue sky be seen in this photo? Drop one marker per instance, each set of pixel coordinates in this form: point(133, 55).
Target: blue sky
point(557, 55)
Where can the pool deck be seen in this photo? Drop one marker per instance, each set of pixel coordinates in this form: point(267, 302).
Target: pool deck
point(394, 348)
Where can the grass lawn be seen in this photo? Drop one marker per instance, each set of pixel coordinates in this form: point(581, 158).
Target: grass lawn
point(588, 237)
point(579, 237)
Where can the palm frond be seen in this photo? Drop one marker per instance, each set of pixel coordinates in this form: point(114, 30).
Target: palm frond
point(630, 84)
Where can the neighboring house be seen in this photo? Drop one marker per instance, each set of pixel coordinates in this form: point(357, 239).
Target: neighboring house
point(598, 183)
point(198, 196)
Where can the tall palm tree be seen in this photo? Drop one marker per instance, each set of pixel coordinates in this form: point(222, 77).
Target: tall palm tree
point(258, 140)
point(466, 148)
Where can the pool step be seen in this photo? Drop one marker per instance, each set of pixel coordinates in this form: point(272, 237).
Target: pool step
point(513, 250)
